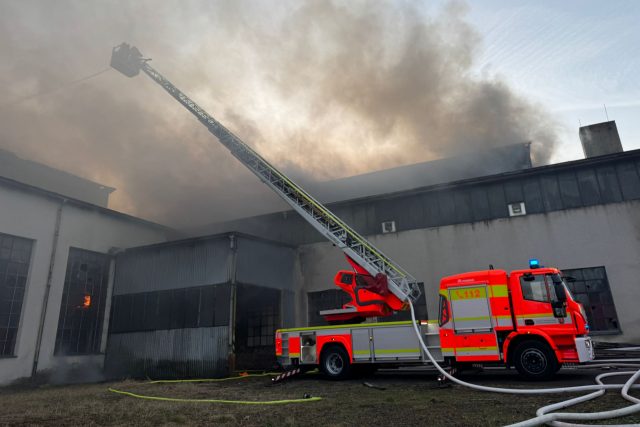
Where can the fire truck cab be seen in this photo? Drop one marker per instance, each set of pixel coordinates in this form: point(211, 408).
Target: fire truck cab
point(526, 318)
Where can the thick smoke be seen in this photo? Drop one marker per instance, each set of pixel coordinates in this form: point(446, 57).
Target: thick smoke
point(322, 89)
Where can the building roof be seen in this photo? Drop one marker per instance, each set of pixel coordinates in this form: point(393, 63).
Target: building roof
point(48, 178)
point(21, 186)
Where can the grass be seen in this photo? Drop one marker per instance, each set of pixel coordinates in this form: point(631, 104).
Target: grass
point(409, 399)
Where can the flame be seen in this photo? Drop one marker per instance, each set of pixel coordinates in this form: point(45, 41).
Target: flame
point(87, 302)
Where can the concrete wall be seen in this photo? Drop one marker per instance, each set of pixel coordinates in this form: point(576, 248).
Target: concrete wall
point(31, 215)
point(603, 235)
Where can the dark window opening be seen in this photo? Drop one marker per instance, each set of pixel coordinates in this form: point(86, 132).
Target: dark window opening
point(83, 303)
point(591, 289)
point(15, 256)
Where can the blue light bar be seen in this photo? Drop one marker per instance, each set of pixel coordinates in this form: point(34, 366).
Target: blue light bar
point(534, 263)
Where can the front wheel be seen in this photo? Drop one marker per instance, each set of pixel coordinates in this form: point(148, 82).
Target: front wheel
point(335, 363)
point(535, 360)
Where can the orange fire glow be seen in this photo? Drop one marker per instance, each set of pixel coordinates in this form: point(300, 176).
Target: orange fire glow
point(87, 301)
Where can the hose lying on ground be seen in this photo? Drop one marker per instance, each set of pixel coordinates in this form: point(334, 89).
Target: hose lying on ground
point(236, 402)
point(543, 415)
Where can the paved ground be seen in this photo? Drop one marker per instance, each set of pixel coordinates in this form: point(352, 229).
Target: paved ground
point(409, 398)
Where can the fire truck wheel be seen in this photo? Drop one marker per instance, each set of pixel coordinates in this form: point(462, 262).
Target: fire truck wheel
point(535, 360)
point(335, 363)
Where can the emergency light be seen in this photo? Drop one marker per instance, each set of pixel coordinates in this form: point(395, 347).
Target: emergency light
point(534, 263)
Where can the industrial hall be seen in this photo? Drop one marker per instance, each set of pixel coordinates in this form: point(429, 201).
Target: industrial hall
point(86, 288)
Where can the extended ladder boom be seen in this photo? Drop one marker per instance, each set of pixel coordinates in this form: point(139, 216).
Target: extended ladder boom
point(129, 61)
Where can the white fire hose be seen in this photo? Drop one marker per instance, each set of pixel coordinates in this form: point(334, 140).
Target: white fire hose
point(544, 414)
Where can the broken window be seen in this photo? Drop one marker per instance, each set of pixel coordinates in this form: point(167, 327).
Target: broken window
point(83, 303)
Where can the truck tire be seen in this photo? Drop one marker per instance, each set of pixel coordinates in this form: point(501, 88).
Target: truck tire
point(535, 360)
point(335, 363)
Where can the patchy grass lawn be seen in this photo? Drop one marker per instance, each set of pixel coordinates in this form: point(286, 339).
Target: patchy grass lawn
point(410, 398)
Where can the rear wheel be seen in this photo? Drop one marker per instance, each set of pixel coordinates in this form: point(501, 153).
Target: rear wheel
point(335, 363)
point(535, 360)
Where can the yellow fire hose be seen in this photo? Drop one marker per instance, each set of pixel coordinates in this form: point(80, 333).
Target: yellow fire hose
point(236, 402)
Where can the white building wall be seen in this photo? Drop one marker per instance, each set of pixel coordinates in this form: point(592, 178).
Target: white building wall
point(603, 235)
point(32, 215)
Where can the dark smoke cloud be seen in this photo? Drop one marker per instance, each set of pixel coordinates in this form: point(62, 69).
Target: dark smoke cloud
point(322, 89)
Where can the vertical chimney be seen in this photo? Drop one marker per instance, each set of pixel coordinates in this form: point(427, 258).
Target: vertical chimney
point(600, 139)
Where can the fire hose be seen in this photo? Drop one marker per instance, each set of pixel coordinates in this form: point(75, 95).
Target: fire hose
point(544, 414)
point(236, 402)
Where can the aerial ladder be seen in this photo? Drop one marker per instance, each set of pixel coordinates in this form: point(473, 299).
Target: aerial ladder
point(380, 287)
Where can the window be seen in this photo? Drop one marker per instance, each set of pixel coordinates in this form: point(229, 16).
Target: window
point(591, 289)
point(325, 300)
point(445, 314)
point(534, 290)
point(261, 326)
point(195, 307)
point(15, 256)
point(83, 303)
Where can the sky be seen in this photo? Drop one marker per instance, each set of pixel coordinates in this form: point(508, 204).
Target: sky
point(571, 56)
point(322, 89)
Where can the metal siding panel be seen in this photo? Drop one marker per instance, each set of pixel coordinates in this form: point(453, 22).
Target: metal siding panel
point(176, 353)
point(431, 211)
point(532, 196)
point(513, 192)
point(569, 191)
point(550, 193)
point(480, 204)
point(609, 186)
point(413, 213)
point(629, 180)
point(446, 207)
point(497, 201)
point(169, 267)
point(264, 264)
point(462, 201)
point(588, 185)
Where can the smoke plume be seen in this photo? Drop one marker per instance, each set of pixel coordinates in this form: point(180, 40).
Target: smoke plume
point(323, 89)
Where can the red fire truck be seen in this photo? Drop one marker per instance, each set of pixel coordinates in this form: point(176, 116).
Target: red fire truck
point(525, 319)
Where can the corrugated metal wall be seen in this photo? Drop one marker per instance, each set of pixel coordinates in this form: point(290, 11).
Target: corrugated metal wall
point(170, 266)
point(171, 303)
point(265, 264)
point(174, 353)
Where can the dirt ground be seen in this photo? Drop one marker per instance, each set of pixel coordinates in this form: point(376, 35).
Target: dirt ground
point(409, 398)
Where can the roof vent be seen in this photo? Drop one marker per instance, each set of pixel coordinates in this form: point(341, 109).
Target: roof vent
point(389, 227)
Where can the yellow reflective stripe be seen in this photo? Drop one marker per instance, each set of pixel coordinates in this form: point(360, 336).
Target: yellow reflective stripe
point(353, 326)
point(361, 352)
point(294, 354)
point(463, 349)
point(528, 316)
point(503, 316)
point(447, 350)
point(397, 350)
point(499, 290)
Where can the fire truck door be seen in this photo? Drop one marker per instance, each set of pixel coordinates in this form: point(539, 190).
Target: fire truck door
point(475, 337)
